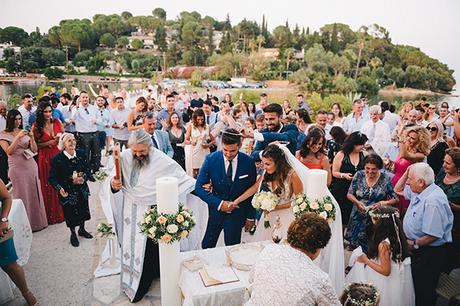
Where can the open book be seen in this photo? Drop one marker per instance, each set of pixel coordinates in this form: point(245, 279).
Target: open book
point(212, 276)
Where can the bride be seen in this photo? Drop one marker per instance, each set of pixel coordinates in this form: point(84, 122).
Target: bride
point(280, 179)
point(286, 176)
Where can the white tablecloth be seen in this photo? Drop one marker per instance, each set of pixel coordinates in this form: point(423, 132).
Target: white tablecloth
point(195, 293)
point(22, 241)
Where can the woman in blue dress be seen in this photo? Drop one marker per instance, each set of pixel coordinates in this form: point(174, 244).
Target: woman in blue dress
point(8, 257)
point(369, 189)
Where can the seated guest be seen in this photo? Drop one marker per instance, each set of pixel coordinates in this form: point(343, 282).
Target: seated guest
point(285, 274)
point(69, 173)
point(448, 179)
point(312, 153)
point(387, 263)
point(360, 294)
point(428, 227)
point(369, 189)
point(8, 257)
point(438, 146)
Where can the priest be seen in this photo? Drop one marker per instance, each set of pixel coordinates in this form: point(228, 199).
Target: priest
point(141, 166)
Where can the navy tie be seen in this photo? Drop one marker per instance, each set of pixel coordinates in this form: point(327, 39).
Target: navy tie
point(229, 173)
point(154, 142)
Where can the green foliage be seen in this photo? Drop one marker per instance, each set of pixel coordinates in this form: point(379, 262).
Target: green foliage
point(197, 77)
point(54, 73)
point(81, 58)
point(15, 35)
point(122, 42)
point(107, 40)
point(95, 64)
point(367, 86)
point(248, 95)
point(136, 44)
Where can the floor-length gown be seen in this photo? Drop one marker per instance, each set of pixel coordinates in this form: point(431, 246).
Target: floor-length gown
point(53, 208)
point(23, 174)
point(179, 153)
point(401, 165)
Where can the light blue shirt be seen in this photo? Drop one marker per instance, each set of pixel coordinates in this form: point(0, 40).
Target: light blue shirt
point(429, 213)
point(351, 124)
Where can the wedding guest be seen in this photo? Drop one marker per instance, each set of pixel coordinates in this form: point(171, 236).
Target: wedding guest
point(303, 122)
point(369, 189)
point(360, 294)
point(164, 114)
point(3, 155)
point(137, 115)
point(387, 263)
point(354, 121)
point(286, 106)
point(377, 132)
point(438, 146)
point(176, 133)
point(27, 108)
point(312, 153)
point(248, 143)
point(252, 109)
point(430, 114)
point(334, 144)
point(336, 109)
point(120, 124)
point(47, 132)
point(413, 147)
point(8, 256)
point(285, 274)
point(69, 173)
point(104, 123)
point(346, 163)
point(428, 227)
point(199, 136)
point(20, 145)
point(448, 179)
point(160, 139)
point(244, 111)
point(210, 116)
point(407, 107)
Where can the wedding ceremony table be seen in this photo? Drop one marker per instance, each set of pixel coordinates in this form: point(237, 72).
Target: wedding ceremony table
point(22, 241)
point(194, 291)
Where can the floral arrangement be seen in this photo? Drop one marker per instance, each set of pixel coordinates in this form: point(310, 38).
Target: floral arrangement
point(364, 301)
point(322, 207)
point(266, 201)
point(167, 228)
point(104, 230)
point(101, 174)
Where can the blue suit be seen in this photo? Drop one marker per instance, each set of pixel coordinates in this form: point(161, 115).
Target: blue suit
point(288, 133)
point(213, 170)
point(163, 142)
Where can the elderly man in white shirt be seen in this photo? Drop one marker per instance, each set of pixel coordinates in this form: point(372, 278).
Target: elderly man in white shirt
point(377, 131)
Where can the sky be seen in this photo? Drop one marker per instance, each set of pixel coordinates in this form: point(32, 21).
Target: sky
point(431, 25)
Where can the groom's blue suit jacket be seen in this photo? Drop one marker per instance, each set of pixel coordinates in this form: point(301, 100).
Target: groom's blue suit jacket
point(213, 170)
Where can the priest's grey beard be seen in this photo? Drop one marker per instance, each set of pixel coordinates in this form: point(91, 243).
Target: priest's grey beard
point(138, 164)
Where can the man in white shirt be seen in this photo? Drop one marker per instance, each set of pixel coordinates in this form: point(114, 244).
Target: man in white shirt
point(120, 126)
point(86, 118)
point(377, 131)
point(26, 108)
point(2, 115)
point(354, 121)
point(388, 117)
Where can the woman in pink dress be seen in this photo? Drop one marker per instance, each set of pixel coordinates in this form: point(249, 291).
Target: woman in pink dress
point(23, 171)
point(413, 148)
point(47, 131)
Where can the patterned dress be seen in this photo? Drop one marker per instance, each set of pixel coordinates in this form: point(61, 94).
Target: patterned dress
point(382, 190)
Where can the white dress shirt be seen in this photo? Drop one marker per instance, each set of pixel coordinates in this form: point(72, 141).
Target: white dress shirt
point(391, 119)
point(26, 114)
point(85, 118)
point(2, 123)
point(119, 117)
point(378, 134)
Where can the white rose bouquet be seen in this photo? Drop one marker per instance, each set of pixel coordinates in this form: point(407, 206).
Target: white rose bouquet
point(167, 228)
point(322, 207)
point(104, 230)
point(266, 201)
point(101, 174)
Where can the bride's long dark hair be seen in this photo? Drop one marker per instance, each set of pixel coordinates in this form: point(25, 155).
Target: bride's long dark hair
point(278, 177)
point(40, 121)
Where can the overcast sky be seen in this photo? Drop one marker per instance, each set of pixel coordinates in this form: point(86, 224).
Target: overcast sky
point(433, 26)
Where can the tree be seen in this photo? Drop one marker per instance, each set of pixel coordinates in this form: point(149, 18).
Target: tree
point(11, 65)
point(107, 40)
point(81, 58)
point(54, 36)
point(17, 36)
point(77, 33)
point(340, 64)
point(260, 40)
point(367, 86)
point(126, 15)
point(122, 42)
point(136, 44)
point(159, 13)
point(95, 64)
point(289, 53)
point(160, 38)
point(53, 73)
point(282, 37)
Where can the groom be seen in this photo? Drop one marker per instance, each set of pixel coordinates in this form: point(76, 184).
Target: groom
point(230, 173)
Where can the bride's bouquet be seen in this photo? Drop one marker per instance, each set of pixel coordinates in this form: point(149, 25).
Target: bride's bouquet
point(266, 201)
point(322, 207)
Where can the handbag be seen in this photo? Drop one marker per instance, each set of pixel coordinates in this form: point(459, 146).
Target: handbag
point(9, 234)
point(28, 154)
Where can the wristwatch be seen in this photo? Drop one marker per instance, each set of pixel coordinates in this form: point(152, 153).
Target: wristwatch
point(4, 220)
point(416, 246)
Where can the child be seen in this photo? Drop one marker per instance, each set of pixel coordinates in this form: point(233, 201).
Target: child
point(360, 294)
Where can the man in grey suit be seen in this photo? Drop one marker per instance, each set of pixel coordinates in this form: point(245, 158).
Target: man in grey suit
point(160, 139)
point(211, 117)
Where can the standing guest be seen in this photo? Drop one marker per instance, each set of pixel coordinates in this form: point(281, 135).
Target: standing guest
point(302, 104)
point(184, 97)
point(47, 132)
point(196, 101)
point(430, 114)
point(215, 104)
point(334, 144)
point(68, 175)
point(198, 135)
point(160, 139)
point(369, 189)
point(3, 155)
point(407, 107)
point(263, 102)
point(336, 109)
point(136, 117)
point(448, 179)
point(354, 121)
point(248, 144)
point(8, 257)
point(210, 116)
point(438, 146)
point(244, 111)
point(120, 123)
point(388, 117)
point(321, 122)
point(27, 108)
point(228, 99)
point(176, 133)
point(330, 120)
point(23, 171)
point(285, 274)
point(66, 110)
point(64, 100)
point(86, 119)
point(346, 163)
point(411, 120)
point(3, 107)
point(252, 109)
point(312, 153)
point(377, 132)
point(104, 123)
point(303, 123)
point(286, 106)
point(445, 117)
point(164, 114)
point(428, 226)
point(413, 147)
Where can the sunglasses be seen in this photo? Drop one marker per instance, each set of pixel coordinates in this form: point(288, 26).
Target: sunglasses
point(432, 108)
point(433, 129)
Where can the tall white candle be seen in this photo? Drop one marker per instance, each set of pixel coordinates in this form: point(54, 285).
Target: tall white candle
point(316, 184)
point(167, 202)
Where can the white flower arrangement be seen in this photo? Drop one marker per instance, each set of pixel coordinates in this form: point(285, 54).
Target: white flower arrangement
point(322, 207)
point(369, 301)
point(101, 174)
point(104, 230)
point(266, 201)
point(167, 228)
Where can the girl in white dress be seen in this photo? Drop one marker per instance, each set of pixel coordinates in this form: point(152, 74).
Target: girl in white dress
point(283, 181)
point(387, 264)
